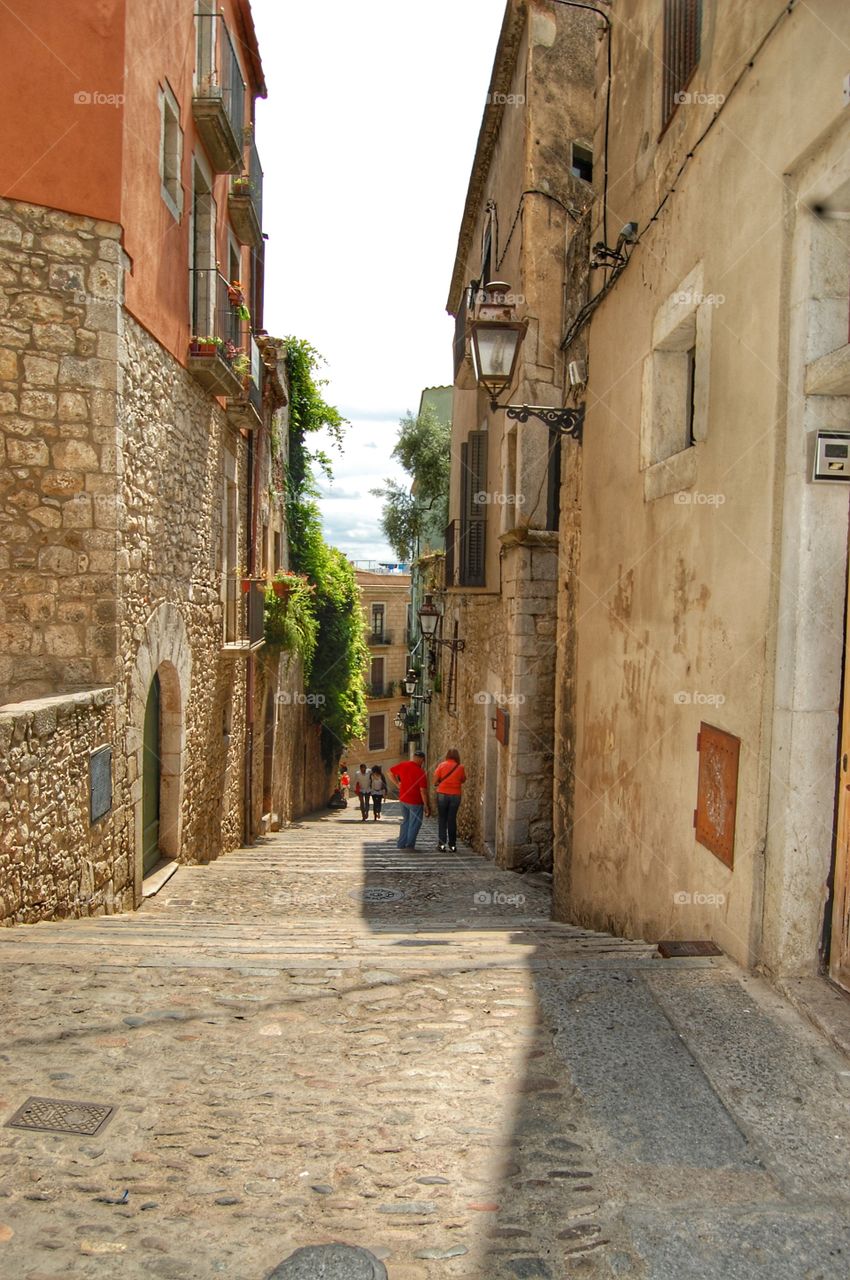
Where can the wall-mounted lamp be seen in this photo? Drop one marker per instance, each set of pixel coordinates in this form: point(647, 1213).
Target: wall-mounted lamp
point(429, 621)
point(496, 338)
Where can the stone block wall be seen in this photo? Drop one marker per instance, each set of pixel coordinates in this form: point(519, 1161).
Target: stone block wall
point(53, 861)
point(60, 316)
point(174, 437)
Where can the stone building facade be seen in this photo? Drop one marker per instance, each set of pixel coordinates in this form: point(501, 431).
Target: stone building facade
point(140, 510)
point(524, 206)
point(386, 609)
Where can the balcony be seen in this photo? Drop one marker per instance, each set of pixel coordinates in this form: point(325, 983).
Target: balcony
point(381, 690)
point(244, 615)
point(218, 105)
point(245, 411)
point(217, 334)
point(380, 637)
point(245, 201)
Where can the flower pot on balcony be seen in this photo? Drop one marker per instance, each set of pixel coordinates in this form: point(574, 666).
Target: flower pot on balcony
point(281, 587)
point(202, 348)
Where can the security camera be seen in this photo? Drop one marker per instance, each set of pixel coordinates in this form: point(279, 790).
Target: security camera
point(628, 235)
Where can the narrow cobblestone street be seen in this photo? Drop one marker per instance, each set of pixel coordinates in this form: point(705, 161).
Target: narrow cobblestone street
point(324, 1038)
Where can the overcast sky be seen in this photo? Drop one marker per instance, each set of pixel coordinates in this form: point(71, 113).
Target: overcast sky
point(367, 139)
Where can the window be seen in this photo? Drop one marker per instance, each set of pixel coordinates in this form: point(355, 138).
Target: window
point(473, 509)
point(203, 252)
point(376, 677)
point(553, 481)
point(170, 151)
point(378, 733)
point(377, 622)
point(582, 162)
point(682, 24)
point(674, 411)
point(277, 561)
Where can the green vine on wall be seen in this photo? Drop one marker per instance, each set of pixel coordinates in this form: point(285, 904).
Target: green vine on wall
point(335, 677)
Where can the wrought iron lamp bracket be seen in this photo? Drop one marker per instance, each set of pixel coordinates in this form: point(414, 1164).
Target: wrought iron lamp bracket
point(569, 422)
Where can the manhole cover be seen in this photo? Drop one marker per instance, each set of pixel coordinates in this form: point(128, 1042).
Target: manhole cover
point(330, 1262)
point(55, 1115)
point(375, 893)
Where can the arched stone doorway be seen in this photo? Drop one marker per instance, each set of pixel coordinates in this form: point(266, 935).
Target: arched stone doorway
point(156, 737)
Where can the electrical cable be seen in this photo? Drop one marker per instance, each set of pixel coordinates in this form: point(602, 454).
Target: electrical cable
point(589, 307)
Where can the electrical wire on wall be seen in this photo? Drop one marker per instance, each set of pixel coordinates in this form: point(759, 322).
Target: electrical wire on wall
point(588, 309)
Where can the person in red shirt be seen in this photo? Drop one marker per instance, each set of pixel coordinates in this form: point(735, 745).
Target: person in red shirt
point(449, 777)
point(413, 796)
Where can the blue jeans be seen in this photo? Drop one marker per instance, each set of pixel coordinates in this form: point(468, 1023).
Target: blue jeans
point(447, 807)
point(411, 821)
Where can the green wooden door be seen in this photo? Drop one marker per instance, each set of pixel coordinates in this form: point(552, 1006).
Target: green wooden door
point(150, 782)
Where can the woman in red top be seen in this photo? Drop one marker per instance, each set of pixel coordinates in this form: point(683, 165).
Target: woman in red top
point(449, 777)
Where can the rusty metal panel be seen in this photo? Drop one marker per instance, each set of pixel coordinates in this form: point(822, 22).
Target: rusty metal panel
point(717, 791)
point(503, 725)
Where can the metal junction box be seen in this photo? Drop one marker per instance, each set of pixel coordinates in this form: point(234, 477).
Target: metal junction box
point(832, 456)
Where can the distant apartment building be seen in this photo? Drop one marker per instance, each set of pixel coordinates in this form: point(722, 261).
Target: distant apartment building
point(143, 429)
point(385, 599)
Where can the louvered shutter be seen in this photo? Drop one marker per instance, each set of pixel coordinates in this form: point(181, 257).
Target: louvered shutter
point(682, 39)
point(473, 534)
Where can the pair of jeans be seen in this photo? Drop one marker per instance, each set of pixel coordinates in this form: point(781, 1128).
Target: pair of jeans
point(377, 801)
point(363, 797)
point(411, 821)
point(447, 807)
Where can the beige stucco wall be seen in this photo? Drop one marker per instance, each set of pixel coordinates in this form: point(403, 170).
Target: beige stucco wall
point(680, 565)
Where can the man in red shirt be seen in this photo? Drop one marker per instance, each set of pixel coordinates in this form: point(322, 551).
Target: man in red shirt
point(412, 783)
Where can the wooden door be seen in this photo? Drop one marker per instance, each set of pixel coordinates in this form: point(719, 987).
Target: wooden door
point(151, 772)
point(839, 946)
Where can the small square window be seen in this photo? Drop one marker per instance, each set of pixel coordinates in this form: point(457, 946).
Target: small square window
point(674, 413)
point(582, 163)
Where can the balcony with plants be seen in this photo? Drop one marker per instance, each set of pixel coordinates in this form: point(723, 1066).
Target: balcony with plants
point(245, 201)
point(218, 104)
point(223, 355)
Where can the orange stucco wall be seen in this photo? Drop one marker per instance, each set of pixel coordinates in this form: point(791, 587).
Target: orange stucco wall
point(103, 160)
point(56, 151)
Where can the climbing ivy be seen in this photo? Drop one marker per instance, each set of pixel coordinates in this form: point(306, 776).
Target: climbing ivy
point(335, 678)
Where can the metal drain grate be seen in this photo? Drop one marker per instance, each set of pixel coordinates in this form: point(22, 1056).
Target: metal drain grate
point(375, 893)
point(57, 1115)
point(672, 950)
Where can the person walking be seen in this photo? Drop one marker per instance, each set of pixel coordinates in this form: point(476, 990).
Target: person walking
point(363, 789)
point(379, 790)
point(449, 777)
point(412, 783)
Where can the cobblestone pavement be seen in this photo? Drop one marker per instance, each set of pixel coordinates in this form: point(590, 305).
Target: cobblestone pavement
point(323, 1039)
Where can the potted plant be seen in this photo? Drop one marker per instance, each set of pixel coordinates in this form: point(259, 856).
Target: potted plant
point(241, 186)
point(241, 365)
point(207, 345)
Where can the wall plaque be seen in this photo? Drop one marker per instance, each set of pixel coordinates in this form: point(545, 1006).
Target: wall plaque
point(100, 783)
point(717, 791)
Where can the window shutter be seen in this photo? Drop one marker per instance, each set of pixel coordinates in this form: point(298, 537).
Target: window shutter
point(473, 461)
point(682, 26)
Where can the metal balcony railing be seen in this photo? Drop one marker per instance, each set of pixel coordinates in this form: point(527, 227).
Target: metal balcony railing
point(245, 202)
point(219, 100)
point(380, 637)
